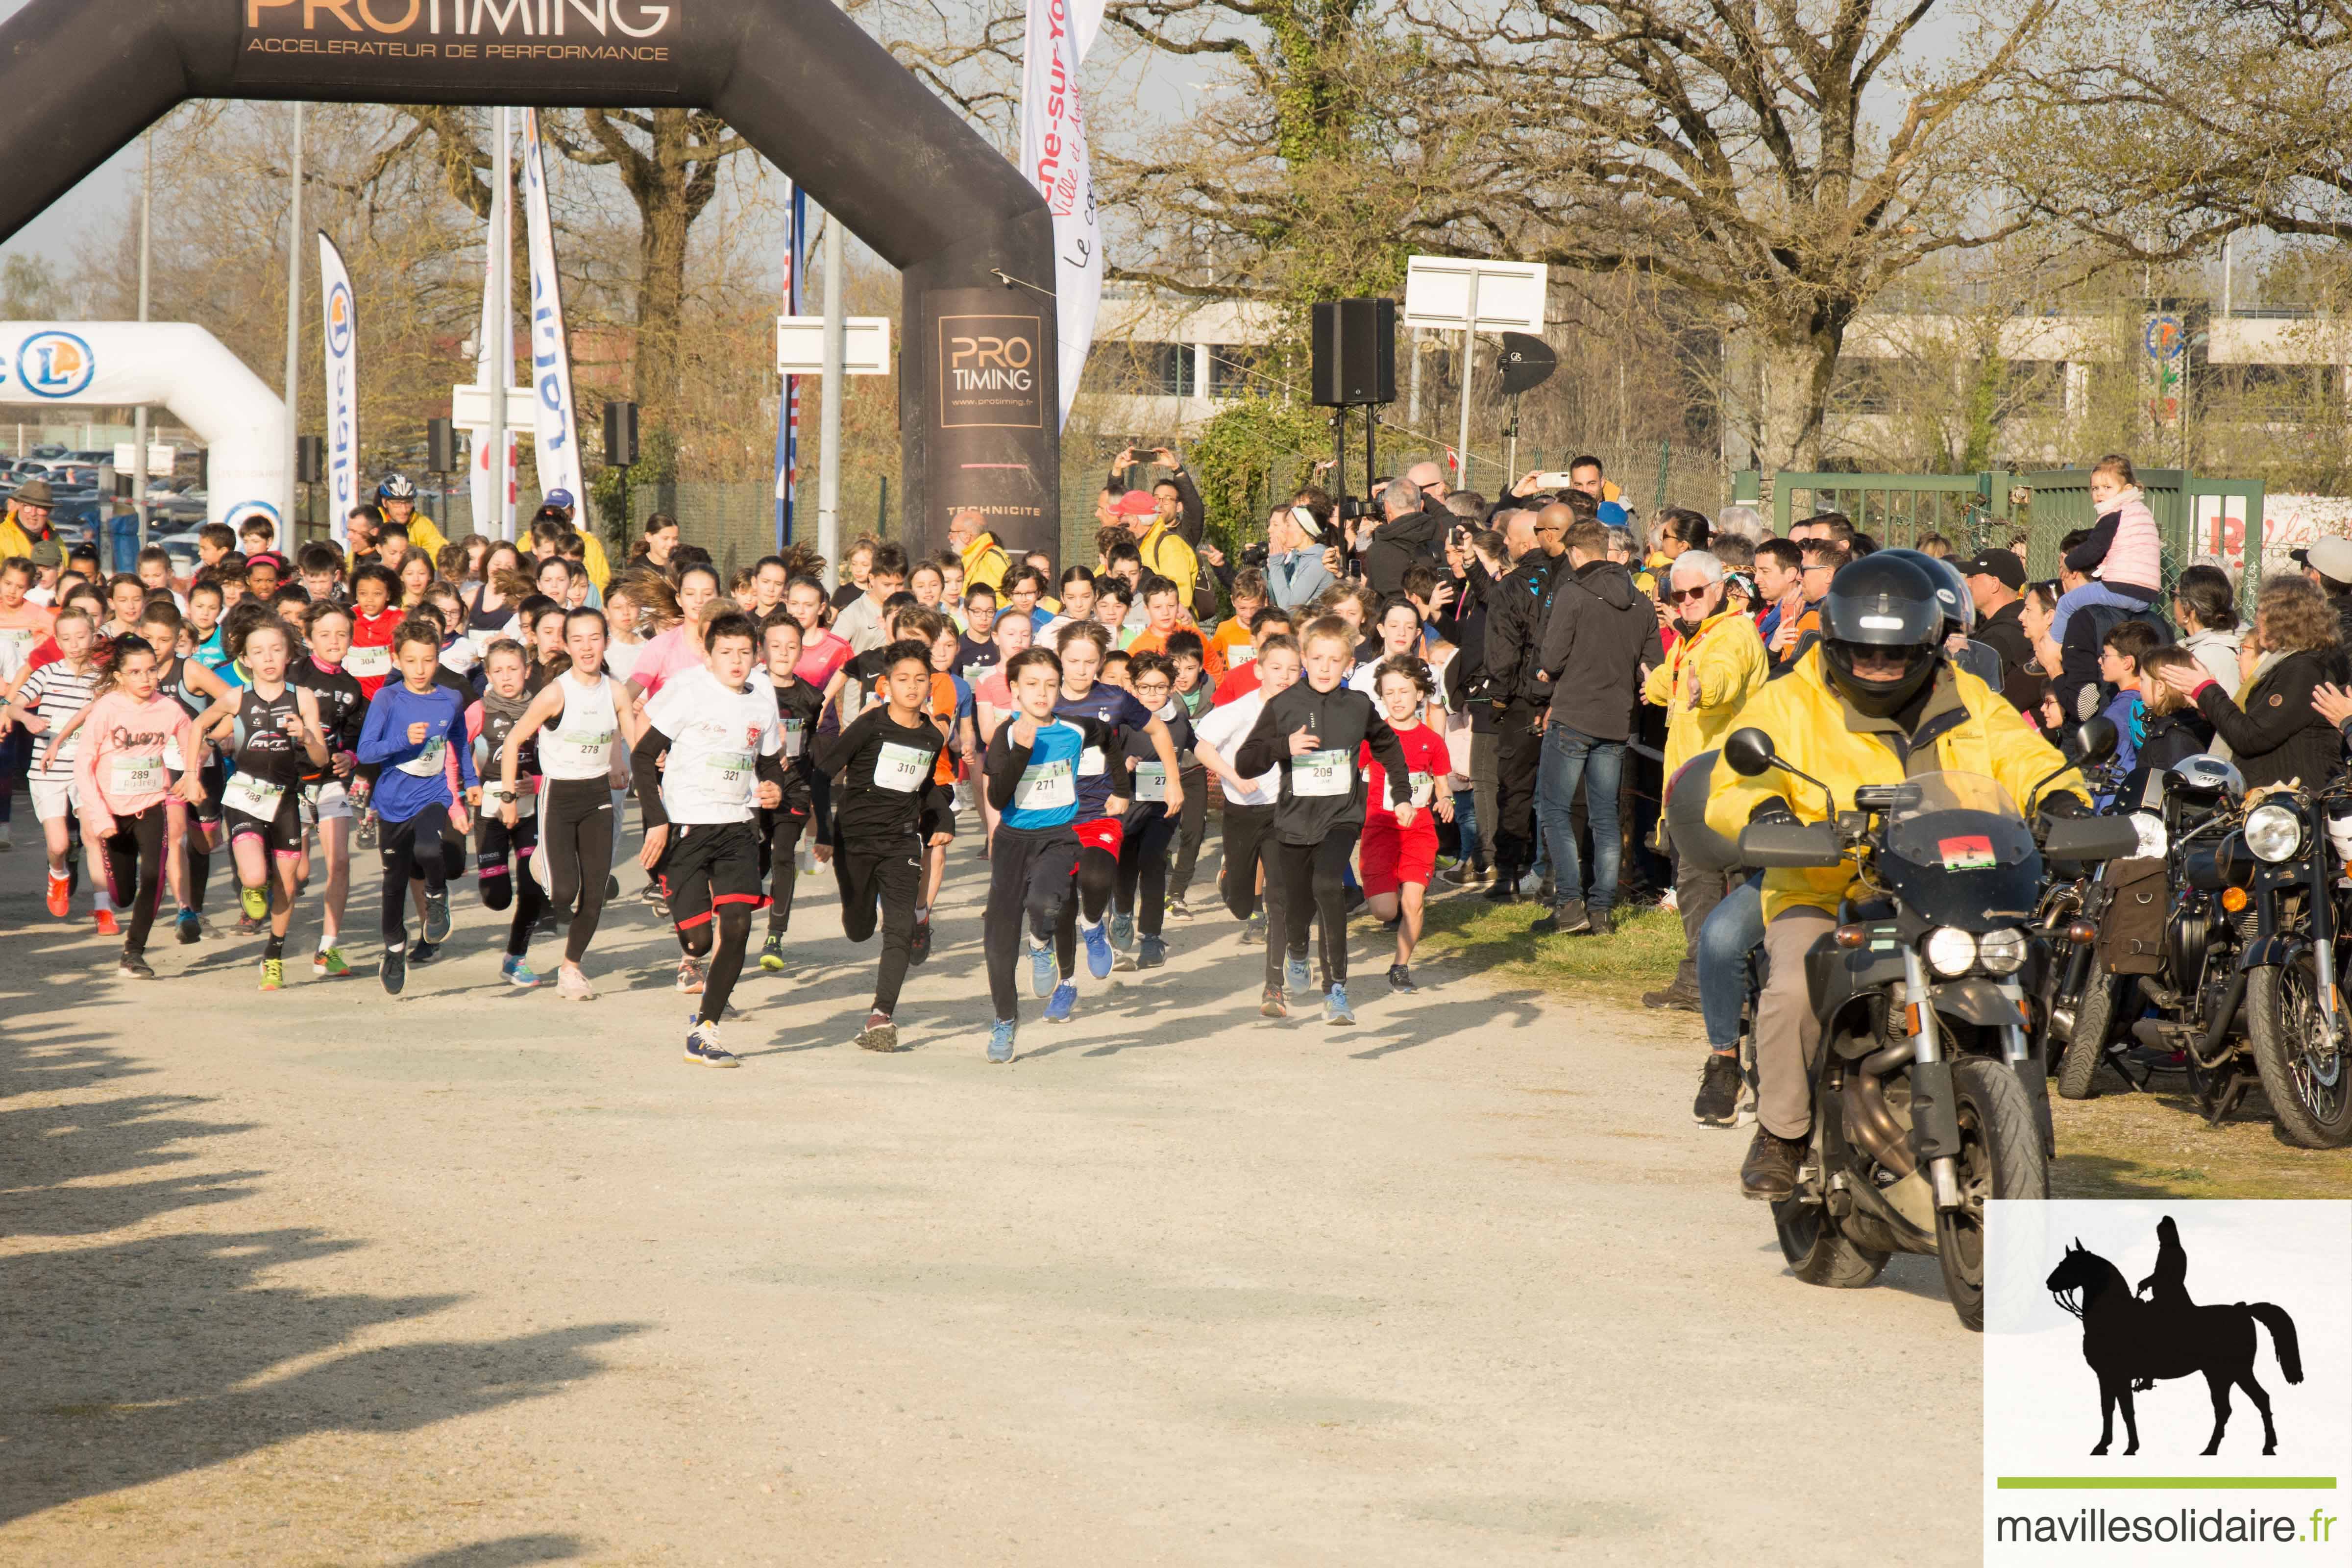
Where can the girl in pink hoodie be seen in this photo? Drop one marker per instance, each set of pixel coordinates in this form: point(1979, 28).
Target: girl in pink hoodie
point(124, 787)
point(2124, 557)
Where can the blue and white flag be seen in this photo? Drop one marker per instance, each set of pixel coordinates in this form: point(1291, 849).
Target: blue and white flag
point(342, 337)
point(555, 432)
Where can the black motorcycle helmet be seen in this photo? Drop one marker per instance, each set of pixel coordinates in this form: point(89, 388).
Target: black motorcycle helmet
point(1881, 602)
point(1951, 588)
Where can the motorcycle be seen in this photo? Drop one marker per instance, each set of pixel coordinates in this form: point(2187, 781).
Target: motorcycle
point(2144, 936)
point(1928, 1096)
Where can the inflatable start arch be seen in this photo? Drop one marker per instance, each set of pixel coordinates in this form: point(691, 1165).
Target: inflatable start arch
point(797, 78)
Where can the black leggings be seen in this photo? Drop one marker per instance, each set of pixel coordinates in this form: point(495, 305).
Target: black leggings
point(134, 872)
point(576, 834)
point(1194, 829)
point(1097, 877)
point(1028, 876)
point(780, 868)
point(516, 884)
point(410, 848)
point(1143, 865)
point(884, 876)
point(1313, 878)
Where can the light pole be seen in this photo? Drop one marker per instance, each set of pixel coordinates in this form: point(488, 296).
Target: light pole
point(836, 354)
point(293, 323)
point(139, 419)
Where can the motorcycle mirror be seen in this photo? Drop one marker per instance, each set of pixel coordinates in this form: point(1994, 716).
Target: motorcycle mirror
point(2094, 740)
point(1750, 752)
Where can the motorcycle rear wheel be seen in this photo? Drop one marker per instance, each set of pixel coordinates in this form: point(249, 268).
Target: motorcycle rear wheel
point(2086, 1047)
point(2000, 1157)
point(1819, 1252)
point(2283, 1018)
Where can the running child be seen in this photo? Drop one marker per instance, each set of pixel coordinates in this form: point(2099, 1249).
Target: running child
point(124, 788)
point(45, 701)
point(952, 709)
point(884, 816)
point(1147, 829)
point(326, 790)
point(193, 816)
point(798, 704)
point(724, 753)
point(1314, 731)
point(581, 727)
point(273, 729)
point(375, 621)
point(507, 832)
point(412, 727)
point(1399, 858)
point(1032, 781)
point(1192, 692)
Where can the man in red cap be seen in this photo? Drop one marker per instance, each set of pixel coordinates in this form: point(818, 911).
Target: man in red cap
point(1163, 549)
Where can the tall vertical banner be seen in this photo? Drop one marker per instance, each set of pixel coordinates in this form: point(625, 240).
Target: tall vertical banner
point(555, 434)
point(788, 408)
point(341, 341)
point(492, 492)
point(1054, 156)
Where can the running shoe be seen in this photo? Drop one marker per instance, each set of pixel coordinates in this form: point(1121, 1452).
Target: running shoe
point(436, 915)
point(1400, 980)
point(1000, 1039)
point(571, 984)
point(1122, 958)
point(1151, 952)
point(251, 925)
point(107, 925)
point(189, 928)
point(60, 895)
point(1043, 972)
point(545, 925)
point(702, 1049)
point(273, 974)
point(772, 953)
point(1177, 910)
point(517, 973)
point(1064, 998)
point(255, 901)
point(1099, 957)
point(611, 889)
point(363, 836)
point(327, 963)
point(394, 972)
point(1269, 1004)
point(1294, 978)
point(1253, 931)
point(1123, 931)
point(134, 967)
point(921, 947)
point(422, 952)
point(880, 1033)
point(690, 975)
point(1335, 1007)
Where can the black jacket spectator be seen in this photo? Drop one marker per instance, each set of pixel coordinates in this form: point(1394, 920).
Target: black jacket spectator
point(1515, 624)
point(2278, 735)
point(2004, 632)
point(1600, 631)
point(1405, 541)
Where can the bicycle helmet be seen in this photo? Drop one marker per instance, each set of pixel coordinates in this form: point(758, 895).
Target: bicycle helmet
point(396, 487)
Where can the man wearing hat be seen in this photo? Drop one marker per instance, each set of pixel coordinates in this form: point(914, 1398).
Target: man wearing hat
point(27, 521)
point(1163, 549)
point(2328, 563)
point(397, 497)
point(592, 549)
point(1996, 579)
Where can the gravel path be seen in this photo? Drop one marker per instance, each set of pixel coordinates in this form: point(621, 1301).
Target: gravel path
point(479, 1277)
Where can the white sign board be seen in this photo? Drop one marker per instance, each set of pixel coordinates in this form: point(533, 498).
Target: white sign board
point(1441, 291)
point(159, 459)
point(469, 406)
point(800, 345)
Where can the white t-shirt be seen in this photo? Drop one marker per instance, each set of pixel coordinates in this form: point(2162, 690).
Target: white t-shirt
point(1227, 728)
point(621, 657)
point(716, 738)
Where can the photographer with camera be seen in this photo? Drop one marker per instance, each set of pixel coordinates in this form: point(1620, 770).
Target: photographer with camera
point(1413, 529)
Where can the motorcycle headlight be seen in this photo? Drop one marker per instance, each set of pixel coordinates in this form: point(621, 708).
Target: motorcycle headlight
point(1950, 950)
point(2003, 951)
point(2153, 840)
point(2272, 833)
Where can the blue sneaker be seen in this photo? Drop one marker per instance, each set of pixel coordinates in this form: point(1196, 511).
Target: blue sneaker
point(1098, 955)
point(1122, 932)
point(1335, 1007)
point(1000, 1040)
point(1295, 979)
point(1043, 971)
point(189, 928)
point(517, 973)
point(1066, 996)
point(702, 1049)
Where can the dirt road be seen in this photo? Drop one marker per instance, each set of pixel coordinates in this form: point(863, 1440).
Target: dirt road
point(479, 1277)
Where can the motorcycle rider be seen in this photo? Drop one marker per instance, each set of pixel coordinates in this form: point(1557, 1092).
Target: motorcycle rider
point(1873, 703)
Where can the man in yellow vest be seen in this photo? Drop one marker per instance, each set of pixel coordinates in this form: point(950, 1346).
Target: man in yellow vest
point(984, 560)
point(396, 498)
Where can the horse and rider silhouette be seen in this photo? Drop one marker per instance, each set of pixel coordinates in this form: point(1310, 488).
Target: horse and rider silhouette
point(2130, 1344)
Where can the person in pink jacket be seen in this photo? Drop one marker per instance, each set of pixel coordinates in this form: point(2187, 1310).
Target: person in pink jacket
point(124, 788)
point(2124, 556)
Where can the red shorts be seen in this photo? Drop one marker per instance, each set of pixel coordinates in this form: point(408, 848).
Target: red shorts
point(1105, 834)
point(1391, 857)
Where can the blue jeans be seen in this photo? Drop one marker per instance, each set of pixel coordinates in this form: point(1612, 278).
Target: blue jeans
point(1734, 928)
point(1465, 823)
point(1570, 757)
point(2083, 598)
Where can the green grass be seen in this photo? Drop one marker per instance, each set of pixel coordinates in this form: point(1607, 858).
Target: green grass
point(1640, 957)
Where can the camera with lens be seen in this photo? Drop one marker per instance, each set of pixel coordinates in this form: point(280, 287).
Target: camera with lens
point(1354, 508)
point(1255, 555)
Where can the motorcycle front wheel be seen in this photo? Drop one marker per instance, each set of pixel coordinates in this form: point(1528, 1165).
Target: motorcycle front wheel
point(2086, 1047)
point(2000, 1157)
point(2309, 1086)
point(1819, 1252)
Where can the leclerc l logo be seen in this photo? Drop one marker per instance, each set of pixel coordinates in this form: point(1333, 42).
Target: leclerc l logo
point(55, 364)
point(338, 321)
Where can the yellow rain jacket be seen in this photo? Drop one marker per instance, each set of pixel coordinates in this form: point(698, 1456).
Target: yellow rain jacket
point(985, 562)
point(1967, 727)
point(1729, 661)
